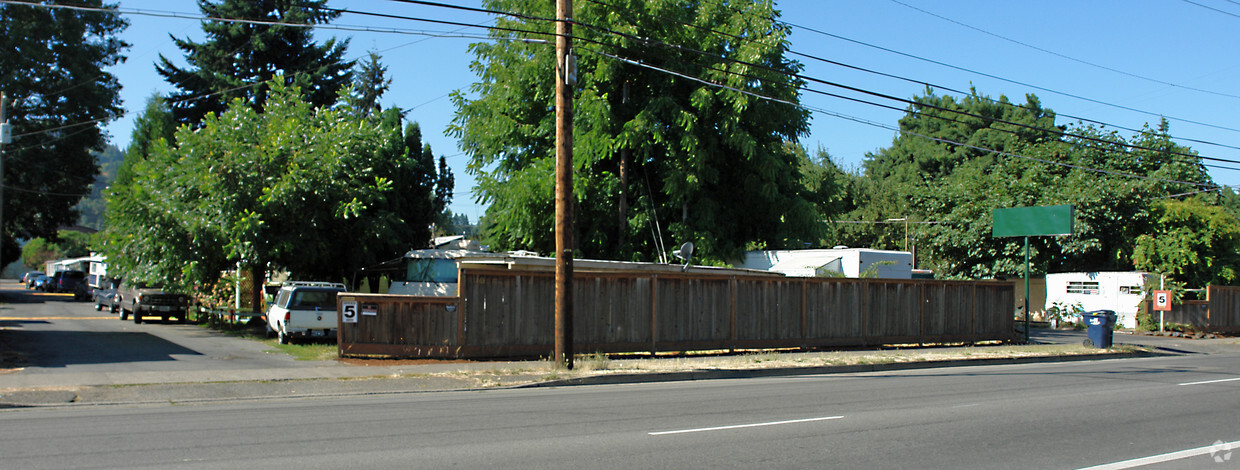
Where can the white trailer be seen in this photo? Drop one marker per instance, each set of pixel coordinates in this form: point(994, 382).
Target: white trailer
point(1122, 292)
point(850, 262)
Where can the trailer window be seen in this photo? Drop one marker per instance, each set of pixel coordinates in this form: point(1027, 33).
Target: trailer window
point(1087, 288)
point(431, 270)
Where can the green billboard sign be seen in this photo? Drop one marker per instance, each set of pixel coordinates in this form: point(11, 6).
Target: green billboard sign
point(1032, 221)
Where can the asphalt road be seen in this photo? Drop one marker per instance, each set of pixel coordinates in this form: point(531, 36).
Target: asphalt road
point(1050, 415)
point(60, 336)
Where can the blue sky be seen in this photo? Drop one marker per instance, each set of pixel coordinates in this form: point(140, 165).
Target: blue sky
point(1173, 58)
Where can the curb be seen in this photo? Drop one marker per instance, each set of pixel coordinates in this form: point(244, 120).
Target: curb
point(615, 379)
point(717, 374)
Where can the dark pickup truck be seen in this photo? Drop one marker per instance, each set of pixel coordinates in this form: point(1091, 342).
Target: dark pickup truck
point(140, 301)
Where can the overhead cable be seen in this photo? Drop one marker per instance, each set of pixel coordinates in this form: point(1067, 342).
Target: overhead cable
point(895, 129)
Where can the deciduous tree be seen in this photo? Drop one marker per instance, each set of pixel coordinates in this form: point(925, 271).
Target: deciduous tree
point(1195, 242)
point(53, 70)
point(659, 158)
point(313, 191)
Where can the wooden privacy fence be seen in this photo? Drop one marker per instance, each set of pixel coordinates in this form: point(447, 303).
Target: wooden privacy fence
point(506, 313)
point(1224, 313)
point(1219, 313)
point(1188, 312)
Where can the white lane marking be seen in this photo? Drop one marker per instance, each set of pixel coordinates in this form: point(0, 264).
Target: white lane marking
point(739, 426)
point(1233, 379)
point(1223, 448)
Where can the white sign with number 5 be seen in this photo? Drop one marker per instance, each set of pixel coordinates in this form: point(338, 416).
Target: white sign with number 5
point(348, 312)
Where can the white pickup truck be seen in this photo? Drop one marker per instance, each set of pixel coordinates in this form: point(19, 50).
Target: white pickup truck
point(304, 310)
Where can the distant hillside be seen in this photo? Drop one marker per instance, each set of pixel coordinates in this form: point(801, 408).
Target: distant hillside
point(92, 207)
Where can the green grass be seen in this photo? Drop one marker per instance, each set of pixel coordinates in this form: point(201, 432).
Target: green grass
point(308, 351)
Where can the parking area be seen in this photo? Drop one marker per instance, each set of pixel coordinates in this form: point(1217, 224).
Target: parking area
point(50, 339)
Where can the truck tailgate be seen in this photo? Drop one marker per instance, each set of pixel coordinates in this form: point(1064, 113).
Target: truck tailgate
point(311, 319)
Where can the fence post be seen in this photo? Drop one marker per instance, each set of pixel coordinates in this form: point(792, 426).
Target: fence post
point(804, 313)
point(921, 312)
point(654, 314)
point(862, 292)
point(732, 315)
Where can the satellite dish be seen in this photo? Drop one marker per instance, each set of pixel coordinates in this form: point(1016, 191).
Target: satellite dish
point(685, 253)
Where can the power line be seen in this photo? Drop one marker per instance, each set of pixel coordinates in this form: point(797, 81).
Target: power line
point(46, 193)
point(178, 15)
point(896, 129)
point(1064, 56)
point(1228, 13)
point(613, 7)
point(889, 222)
point(477, 10)
point(1003, 79)
point(914, 103)
point(435, 21)
point(649, 41)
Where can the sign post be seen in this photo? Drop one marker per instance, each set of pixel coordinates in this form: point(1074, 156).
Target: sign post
point(1031, 222)
point(1162, 305)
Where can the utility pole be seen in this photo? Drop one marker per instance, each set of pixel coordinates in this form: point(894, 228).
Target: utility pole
point(565, 79)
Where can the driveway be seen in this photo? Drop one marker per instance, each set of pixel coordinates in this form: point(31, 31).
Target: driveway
point(51, 339)
point(1163, 343)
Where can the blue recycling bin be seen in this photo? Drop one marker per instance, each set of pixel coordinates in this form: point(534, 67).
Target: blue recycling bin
point(1100, 325)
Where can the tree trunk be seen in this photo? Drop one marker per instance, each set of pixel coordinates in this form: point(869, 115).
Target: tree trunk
point(623, 204)
point(622, 243)
point(258, 277)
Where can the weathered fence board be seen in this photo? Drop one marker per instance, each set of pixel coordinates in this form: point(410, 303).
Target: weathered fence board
point(1224, 309)
point(1220, 313)
point(505, 312)
point(837, 308)
point(401, 326)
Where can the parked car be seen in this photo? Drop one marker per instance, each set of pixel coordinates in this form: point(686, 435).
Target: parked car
point(105, 294)
point(70, 282)
point(40, 282)
point(304, 310)
point(141, 300)
point(28, 278)
point(104, 299)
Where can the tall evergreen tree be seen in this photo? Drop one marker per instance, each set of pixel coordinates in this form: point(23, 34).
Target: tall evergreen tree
point(53, 69)
point(370, 83)
point(239, 58)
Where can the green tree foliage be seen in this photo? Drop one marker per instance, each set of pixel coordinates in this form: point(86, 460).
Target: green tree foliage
point(237, 59)
point(972, 123)
point(1193, 241)
point(316, 192)
point(455, 224)
point(92, 208)
point(942, 136)
point(700, 163)
point(941, 171)
point(53, 69)
point(146, 238)
point(67, 244)
point(370, 83)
